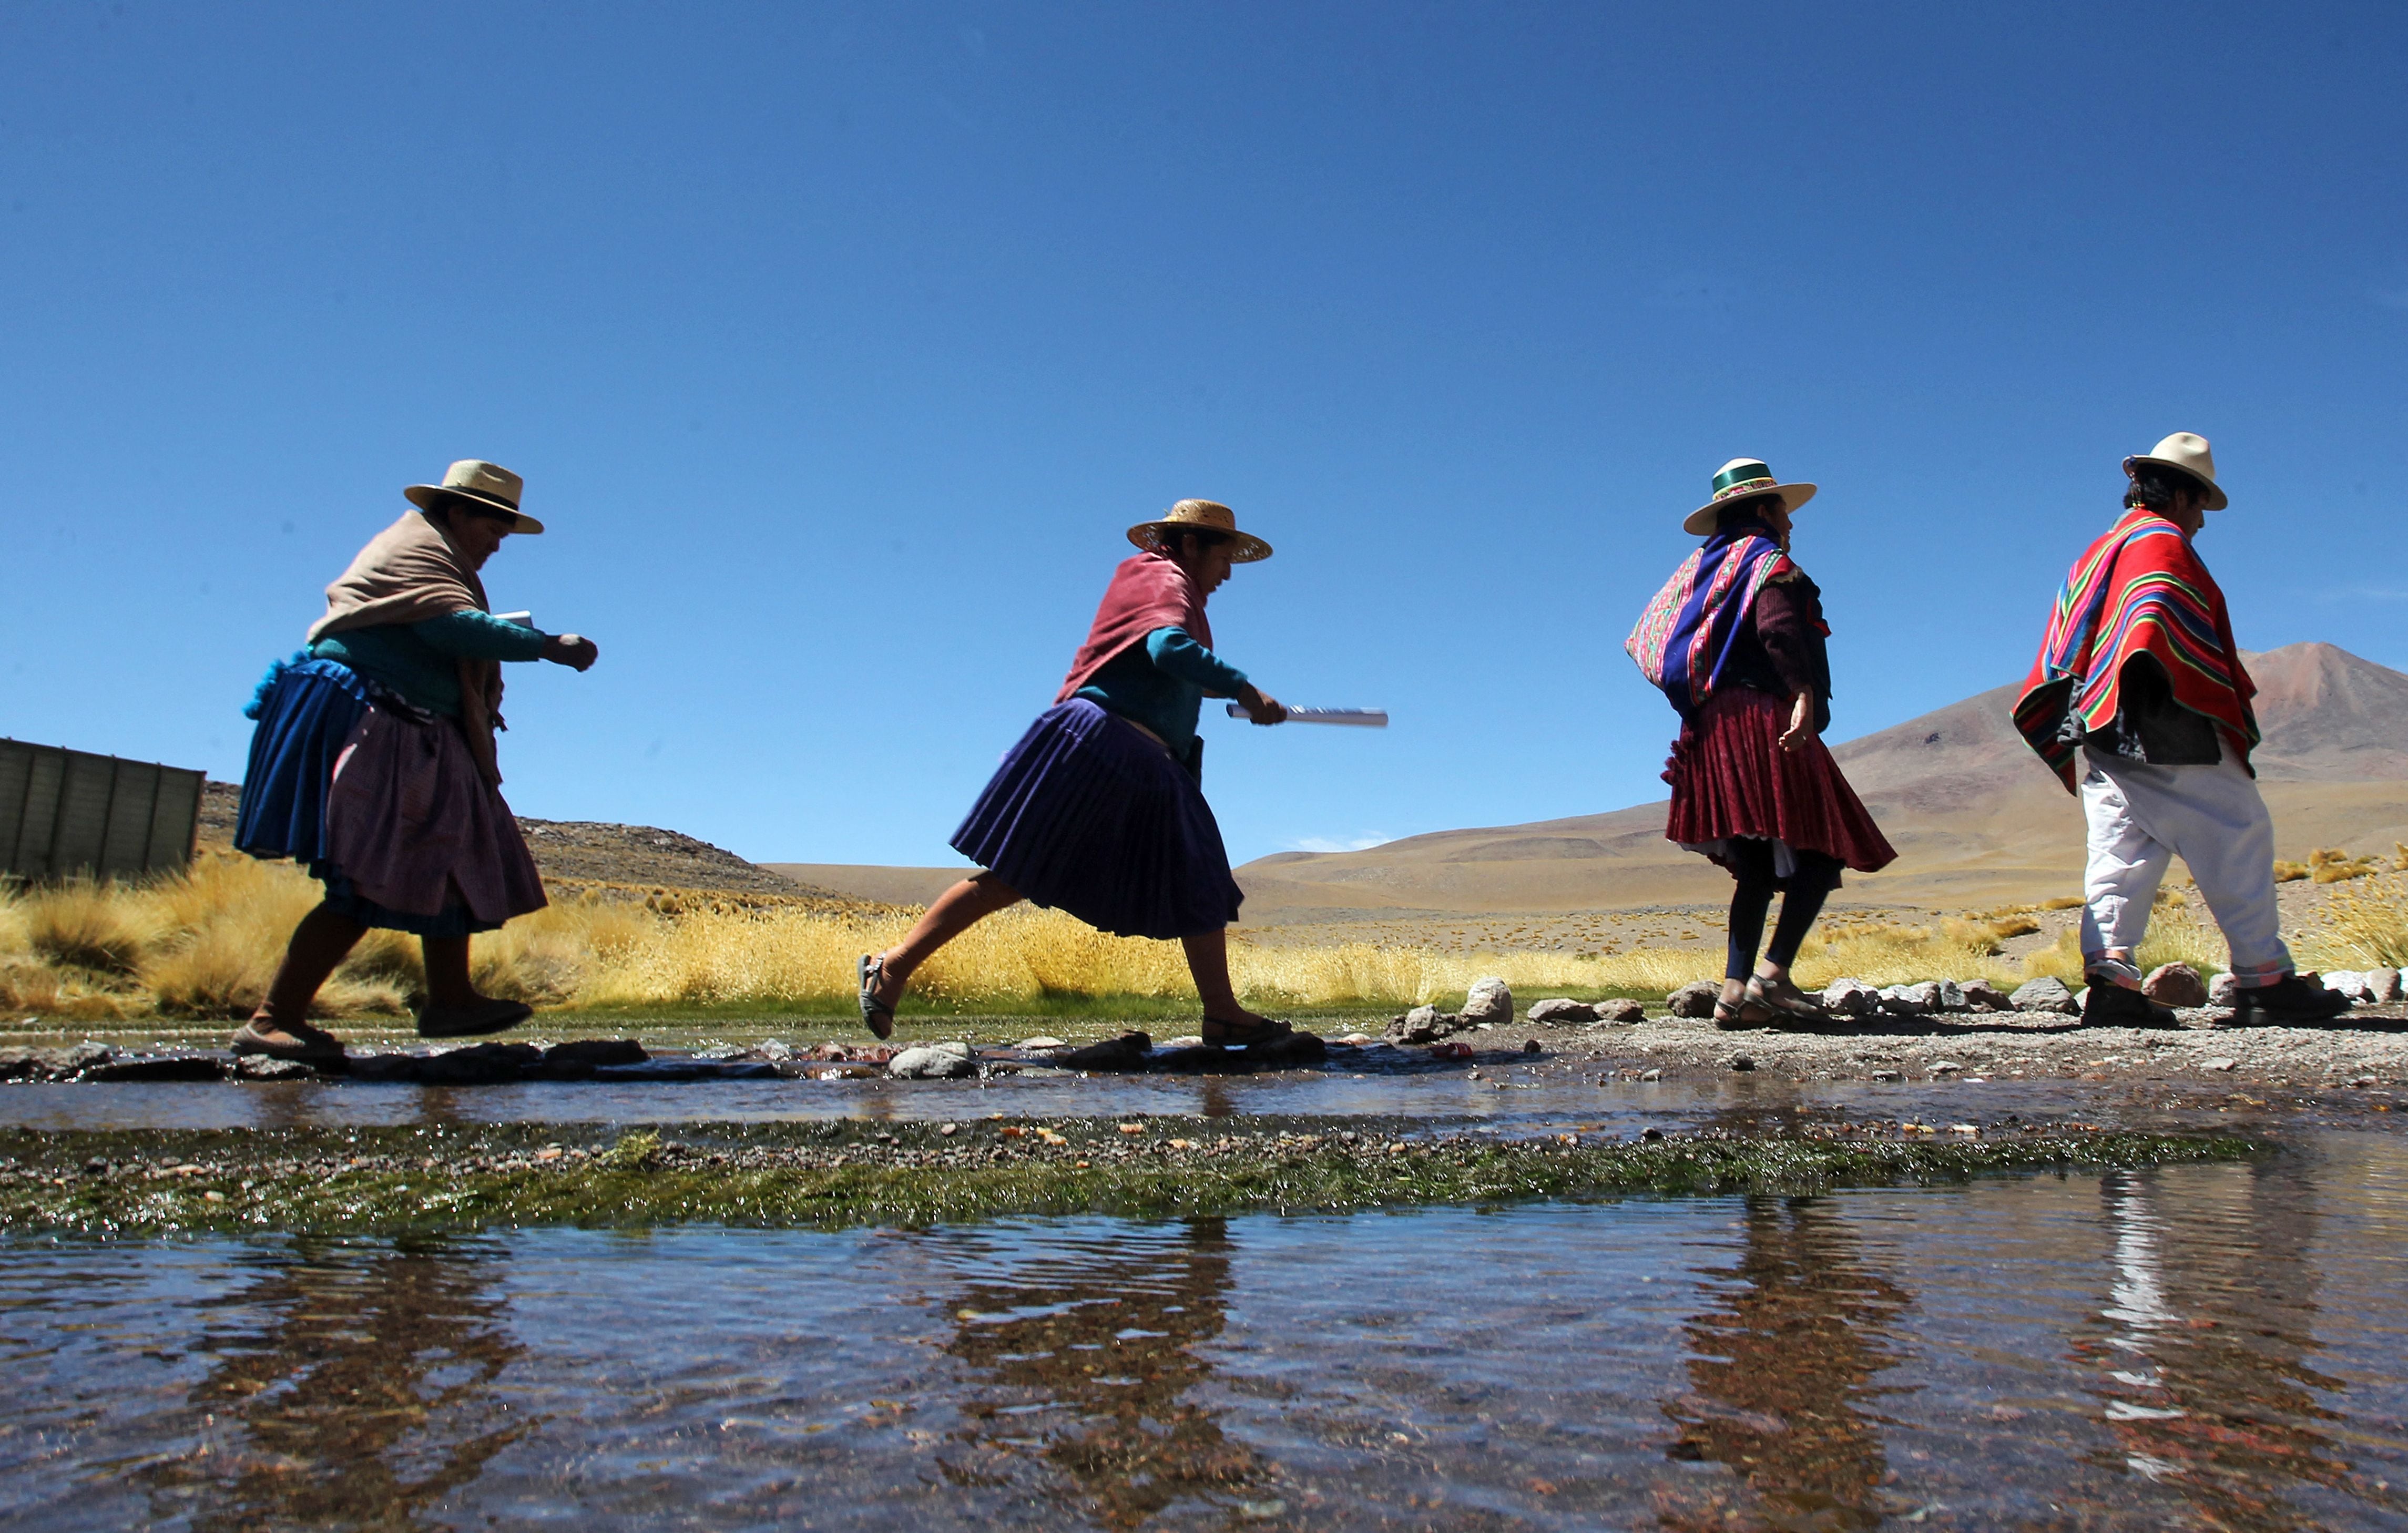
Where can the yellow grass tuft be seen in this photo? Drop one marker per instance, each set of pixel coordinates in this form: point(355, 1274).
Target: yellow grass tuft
point(207, 941)
point(2331, 865)
point(2364, 926)
point(81, 923)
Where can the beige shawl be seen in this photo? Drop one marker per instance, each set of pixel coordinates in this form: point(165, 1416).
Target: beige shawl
point(408, 573)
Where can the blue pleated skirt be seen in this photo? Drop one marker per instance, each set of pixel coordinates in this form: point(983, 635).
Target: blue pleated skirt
point(307, 711)
point(1091, 815)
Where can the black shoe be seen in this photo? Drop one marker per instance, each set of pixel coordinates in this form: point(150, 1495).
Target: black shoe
point(2288, 1002)
point(494, 1016)
point(2108, 1004)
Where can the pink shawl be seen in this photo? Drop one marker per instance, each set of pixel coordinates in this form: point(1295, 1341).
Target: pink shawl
point(1149, 591)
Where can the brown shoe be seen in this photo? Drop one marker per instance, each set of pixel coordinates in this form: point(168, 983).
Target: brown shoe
point(297, 1041)
point(492, 1016)
point(1242, 1035)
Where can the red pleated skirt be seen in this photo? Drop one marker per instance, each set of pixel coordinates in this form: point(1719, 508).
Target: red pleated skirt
point(1731, 777)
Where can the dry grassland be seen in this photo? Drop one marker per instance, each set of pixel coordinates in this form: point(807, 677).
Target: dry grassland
point(205, 942)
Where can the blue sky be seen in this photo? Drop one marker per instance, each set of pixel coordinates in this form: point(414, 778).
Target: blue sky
point(838, 344)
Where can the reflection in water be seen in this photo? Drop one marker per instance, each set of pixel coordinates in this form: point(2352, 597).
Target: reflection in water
point(2203, 1364)
point(1213, 1100)
point(1088, 1355)
point(2198, 1347)
point(358, 1389)
point(1783, 1364)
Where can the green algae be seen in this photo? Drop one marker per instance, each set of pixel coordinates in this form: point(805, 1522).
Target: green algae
point(447, 1178)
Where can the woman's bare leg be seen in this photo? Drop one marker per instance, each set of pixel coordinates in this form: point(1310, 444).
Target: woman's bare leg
point(319, 942)
point(448, 985)
point(1207, 960)
point(955, 911)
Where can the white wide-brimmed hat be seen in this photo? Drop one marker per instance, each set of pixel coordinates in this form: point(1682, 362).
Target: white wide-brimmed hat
point(1206, 516)
point(482, 483)
point(2186, 451)
point(1737, 481)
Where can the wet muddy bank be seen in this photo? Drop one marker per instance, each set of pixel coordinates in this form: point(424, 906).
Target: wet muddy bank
point(454, 1179)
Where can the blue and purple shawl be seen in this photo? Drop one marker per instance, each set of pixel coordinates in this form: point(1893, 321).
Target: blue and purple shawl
point(1686, 634)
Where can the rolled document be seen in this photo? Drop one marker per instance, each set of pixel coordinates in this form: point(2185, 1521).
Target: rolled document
point(1359, 718)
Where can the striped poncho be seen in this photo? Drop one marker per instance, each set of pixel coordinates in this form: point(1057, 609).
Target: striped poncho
point(2139, 590)
point(1686, 633)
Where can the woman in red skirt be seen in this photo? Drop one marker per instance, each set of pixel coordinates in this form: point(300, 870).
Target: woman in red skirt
point(1735, 639)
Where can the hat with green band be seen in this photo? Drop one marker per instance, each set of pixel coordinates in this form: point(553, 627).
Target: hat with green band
point(1738, 479)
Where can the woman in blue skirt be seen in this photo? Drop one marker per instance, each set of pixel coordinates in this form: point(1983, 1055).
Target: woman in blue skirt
point(374, 764)
point(1098, 809)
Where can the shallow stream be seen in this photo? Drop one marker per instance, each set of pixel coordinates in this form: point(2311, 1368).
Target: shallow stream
point(2195, 1346)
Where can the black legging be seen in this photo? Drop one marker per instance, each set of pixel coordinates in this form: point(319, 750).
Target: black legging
point(1751, 859)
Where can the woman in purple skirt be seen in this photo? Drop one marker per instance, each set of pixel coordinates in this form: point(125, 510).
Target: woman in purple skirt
point(1098, 809)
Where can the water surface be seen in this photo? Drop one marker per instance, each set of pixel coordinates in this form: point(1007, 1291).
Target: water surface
point(2207, 1347)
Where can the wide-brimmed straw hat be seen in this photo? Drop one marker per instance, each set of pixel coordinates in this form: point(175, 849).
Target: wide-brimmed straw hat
point(1206, 515)
point(1738, 480)
point(479, 484)
point(2184, 452)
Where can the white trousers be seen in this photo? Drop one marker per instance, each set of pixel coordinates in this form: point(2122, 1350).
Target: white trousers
point(2143, 817)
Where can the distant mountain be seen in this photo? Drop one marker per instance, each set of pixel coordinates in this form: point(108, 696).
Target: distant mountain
point(2328, 716)
point(1976, 818)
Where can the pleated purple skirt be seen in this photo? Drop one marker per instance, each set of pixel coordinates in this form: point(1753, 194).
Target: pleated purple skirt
point(1090, 814)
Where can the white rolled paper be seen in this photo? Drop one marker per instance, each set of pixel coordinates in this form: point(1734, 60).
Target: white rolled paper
point(1358, 717)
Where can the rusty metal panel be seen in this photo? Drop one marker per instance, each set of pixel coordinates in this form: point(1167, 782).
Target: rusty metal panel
point(175, 830)
point(72, 811)
point(15, 788)
point(45, 769)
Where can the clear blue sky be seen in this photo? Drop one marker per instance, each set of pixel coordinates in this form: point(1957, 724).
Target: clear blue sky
point(838, 344)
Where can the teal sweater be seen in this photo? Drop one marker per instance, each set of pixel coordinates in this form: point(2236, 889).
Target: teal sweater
point(1161, 684)
point(416, 659)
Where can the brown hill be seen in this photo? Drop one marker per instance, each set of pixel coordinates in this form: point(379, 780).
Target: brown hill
point(585, 851)
point(874, 881)
point(1976, 817)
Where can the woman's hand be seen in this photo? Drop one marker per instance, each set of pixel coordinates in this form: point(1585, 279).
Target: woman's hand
point(571, 650)
point(1261, 707)
point(1802, 722)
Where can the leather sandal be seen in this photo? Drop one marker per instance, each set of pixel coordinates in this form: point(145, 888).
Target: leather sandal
point(1746, 1012)
point(297, 1041)
point(876, 1014)
point(1783, 998)
point(491, 1016)
point(1242, 1035)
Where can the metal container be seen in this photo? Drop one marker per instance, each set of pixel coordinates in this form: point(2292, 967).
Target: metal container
point(70, 811)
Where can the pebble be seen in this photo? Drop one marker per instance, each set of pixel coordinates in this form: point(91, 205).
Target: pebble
point(1742, 1062)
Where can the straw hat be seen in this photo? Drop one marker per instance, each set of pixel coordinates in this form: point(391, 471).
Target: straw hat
point(482, 483)
point(2186, 452)
point(1738, 480)
point(1208, 515)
